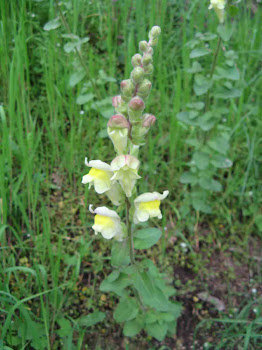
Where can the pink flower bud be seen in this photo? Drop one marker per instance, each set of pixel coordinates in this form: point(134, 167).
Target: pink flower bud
point(148, 120)
point(116, 101)
point(136, 104)
point(136, 60)
point(118, 121)
point(143, 46)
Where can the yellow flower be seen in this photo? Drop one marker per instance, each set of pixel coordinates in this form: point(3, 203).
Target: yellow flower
point(107, 222)
point(99, 175)
point(219, 7)
point(147, 206)
point(125, 169)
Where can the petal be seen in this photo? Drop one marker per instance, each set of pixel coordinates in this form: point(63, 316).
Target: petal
point(101, 186)
point(87, 178)
point(142, 215)
point(98, 164)
point(106, 212)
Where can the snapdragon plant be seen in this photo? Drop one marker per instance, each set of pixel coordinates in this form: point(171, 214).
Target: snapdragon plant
point(144, 294)
point(207, 117)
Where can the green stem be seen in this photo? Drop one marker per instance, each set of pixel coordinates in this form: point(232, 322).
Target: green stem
point(212, 72)
point(130, 232)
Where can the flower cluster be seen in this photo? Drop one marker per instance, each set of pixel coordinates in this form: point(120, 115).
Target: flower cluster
point(127, 130)
point(219, 7)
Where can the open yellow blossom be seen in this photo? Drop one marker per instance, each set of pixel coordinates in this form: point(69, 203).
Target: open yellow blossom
point(219, 7)
point(99, 175)
point(107, 222)
point(125, 169)
point(147, 206)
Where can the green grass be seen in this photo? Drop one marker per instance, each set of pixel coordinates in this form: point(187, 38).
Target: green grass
point(48, 251)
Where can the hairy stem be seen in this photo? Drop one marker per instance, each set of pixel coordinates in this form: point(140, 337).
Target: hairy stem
point(212, 71)
point(130, 232)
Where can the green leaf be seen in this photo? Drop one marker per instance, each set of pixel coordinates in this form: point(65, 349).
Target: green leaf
point(91, 319)
point(188, 178)
point(196, 68)
point(210, 184)
point(149, 292)
point(120, 253)
point(201, 160)
point(206, 121)
point(117, 286)
point(82, 99)
point(258, 222)
point(225, 93)
point(219, 144)
point(65, 327)
point(196, 105)
point(225, 31)
point(198, 52)
point(146, 238)
point(53, 24)
point(76, 77)
point(133, 327)
point(206, 36)
point(229, 73)
point(220, 161)
point(201, 84)
point(126, 310)
point(199, 202)
point(187, 118)
point(157, 330)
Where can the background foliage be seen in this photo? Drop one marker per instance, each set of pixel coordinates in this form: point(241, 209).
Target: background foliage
point(54, 113)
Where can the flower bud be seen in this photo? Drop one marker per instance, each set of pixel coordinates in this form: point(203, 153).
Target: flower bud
point(144, 88)
point(135, 109)
point(118, 129)
point(143, 46)
point(150, 50)
point(116, 101)
point(149, 69)
point(148, 120)
point(154, 42)
point(119, 104)
point(147, 59)
point(154, 32)
point(137, 75)
point(127, 87)
point(118, 121)
point(136, 60)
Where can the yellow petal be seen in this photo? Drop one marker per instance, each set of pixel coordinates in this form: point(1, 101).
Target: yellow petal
point(100, 174)
point(148, 206)
point(104, 221)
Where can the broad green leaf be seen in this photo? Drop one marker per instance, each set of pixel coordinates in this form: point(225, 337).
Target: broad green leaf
point(186, 118)
point(225, 93)
point(91, 319)
point(225, 31)
point(133, 327)
point(200, 204)
point(229, 73)
point(201, 84)
point(220, 161)
point(126, 310)
point(198, 52)
point(206, 121)
point(65, 327)
point(219, 144)
point(188, 178)
point(149, 292)
point(196, 105)
point(206, 36)
point(76, 77)
point(210, 184)
point(201, 160)
point(146, 238)
point(117, 286)
point(196, 68)
point(120, 253)
point(82, 99)
point(157, 330)
point(53, 24)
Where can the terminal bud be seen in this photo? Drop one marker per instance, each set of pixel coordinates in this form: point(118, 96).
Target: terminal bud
point(154, 32)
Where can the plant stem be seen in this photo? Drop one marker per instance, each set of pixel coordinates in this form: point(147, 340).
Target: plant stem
point(212, 71)
point(196, 231)
point(130, 233)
